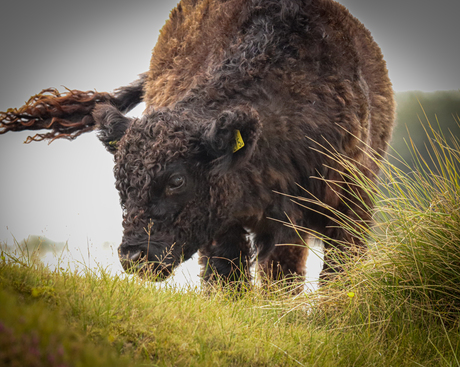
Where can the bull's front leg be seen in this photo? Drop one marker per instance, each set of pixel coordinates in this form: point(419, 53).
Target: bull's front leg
point(227, 258)
point(285, 266)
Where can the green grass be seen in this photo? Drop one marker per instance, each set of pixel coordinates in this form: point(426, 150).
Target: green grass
point(399, 306)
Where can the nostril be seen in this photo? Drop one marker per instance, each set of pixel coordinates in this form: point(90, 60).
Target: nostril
point(131, 260)
point(135, 256)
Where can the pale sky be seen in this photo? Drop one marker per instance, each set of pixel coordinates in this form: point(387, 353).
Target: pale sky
point(65, 191)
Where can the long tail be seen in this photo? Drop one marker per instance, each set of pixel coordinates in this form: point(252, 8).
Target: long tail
point(67, 115)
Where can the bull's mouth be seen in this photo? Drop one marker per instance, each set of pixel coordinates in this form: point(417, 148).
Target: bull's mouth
point(154, 270)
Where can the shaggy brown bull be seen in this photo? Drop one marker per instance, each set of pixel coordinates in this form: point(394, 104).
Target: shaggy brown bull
point(242, 97)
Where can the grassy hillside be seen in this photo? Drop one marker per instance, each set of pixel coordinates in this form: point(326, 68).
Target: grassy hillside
point(92, 320)
point(398, 306)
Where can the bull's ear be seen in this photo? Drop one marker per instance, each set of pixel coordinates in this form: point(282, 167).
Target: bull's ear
point(112, 125)
point(232, 137)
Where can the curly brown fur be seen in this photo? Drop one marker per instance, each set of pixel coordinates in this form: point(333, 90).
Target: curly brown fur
point(296, 78)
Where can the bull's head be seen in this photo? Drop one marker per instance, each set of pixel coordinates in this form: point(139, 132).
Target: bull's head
point(170, 170)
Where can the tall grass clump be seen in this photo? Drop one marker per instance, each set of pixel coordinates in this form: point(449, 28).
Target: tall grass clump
point(413, 262)
point(420, 229)
point(416, 248)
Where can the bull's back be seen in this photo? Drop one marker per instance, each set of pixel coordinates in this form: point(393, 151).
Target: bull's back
point(191, 43)
point(328, 70)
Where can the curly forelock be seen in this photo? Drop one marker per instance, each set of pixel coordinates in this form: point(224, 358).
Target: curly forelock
point(148, 146)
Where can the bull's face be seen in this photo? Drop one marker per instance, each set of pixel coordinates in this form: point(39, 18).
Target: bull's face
point(165, 168)
point(155, 205)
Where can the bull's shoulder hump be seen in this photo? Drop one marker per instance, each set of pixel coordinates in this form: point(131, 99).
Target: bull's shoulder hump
point(195, 37)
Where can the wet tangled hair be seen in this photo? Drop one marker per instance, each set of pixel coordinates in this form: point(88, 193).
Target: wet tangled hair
point(65, 115)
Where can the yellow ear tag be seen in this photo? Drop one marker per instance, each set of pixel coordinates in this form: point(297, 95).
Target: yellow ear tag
point(239, 143)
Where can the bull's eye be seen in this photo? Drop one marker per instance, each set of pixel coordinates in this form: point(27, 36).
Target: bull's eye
point(175, 182)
